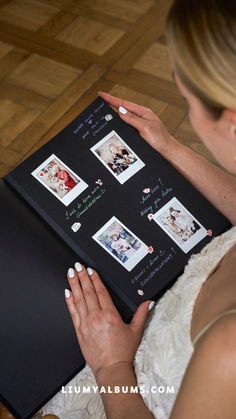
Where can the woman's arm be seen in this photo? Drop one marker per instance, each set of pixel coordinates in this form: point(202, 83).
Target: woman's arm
point(208, 389)
point(122, 404)
point(216, 185)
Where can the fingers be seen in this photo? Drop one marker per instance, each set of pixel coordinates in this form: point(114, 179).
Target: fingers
point(88, 289)
point(70, 301)
point(139, 318)
point(103, 295)
point(77, 292)
point(133, 120)
point(129, 106)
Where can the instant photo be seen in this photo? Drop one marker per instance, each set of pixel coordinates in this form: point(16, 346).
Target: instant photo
point(61, 181)
point(182, 227)
point(121, 243)
point(117, 157)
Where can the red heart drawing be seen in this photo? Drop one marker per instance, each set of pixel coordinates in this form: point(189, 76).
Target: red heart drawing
point(209, 232)
point(150, 249)
point(41, 174)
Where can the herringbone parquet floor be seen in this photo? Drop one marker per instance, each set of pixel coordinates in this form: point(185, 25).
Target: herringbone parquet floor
point(55, 55)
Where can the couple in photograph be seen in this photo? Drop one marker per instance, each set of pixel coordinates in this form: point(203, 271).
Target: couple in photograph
point(179, 222)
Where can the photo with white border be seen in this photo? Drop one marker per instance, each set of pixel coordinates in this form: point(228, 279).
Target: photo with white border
point(59, 179)
point(117, 157)
point(121, 243)
point(180, 225)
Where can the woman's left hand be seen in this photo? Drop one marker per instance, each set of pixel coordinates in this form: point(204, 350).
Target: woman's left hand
point(102, 335)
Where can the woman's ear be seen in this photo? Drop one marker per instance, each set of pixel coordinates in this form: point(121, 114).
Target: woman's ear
point(230, 117)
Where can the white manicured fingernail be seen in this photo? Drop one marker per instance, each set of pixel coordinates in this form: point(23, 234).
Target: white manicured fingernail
point(78, 267)
point(151, 305)
point(67, 293)
point(90, 271)
point(71, 273)
point(122, 110)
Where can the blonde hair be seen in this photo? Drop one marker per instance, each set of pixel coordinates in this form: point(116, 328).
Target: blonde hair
point(202, 39)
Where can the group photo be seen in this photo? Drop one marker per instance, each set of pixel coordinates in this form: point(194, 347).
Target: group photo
point(117, 157)
point(119, 242)
point(123, 245)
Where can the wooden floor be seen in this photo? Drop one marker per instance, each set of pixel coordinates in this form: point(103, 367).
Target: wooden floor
point(55, 55)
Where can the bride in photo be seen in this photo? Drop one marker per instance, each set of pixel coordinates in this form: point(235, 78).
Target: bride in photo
point(183, 220)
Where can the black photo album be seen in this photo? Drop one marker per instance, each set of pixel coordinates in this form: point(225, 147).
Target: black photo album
point(96, 193)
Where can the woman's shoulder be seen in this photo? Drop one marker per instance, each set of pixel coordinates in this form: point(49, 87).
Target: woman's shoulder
point(228, 264)
point(232, 252)
point(219, 341)
point(209, 385)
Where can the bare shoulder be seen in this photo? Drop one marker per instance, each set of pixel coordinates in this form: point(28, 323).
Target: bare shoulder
point(231, 255)
point(209, 386)
point(220, 339)
point(227, 271)
point(215, 356)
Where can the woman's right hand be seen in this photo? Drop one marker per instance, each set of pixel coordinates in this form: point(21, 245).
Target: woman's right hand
point(144, 120)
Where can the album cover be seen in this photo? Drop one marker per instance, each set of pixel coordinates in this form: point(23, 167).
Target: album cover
point(119, 205)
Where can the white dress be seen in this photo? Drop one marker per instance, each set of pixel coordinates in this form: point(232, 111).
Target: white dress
point(165, 349)
point(185, 222)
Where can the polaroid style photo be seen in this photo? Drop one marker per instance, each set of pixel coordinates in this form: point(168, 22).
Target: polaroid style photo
point(180, 225)
point(117, 157)
point(121, 243)
point(61, 181)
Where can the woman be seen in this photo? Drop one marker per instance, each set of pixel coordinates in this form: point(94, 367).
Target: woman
point(202, 37)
